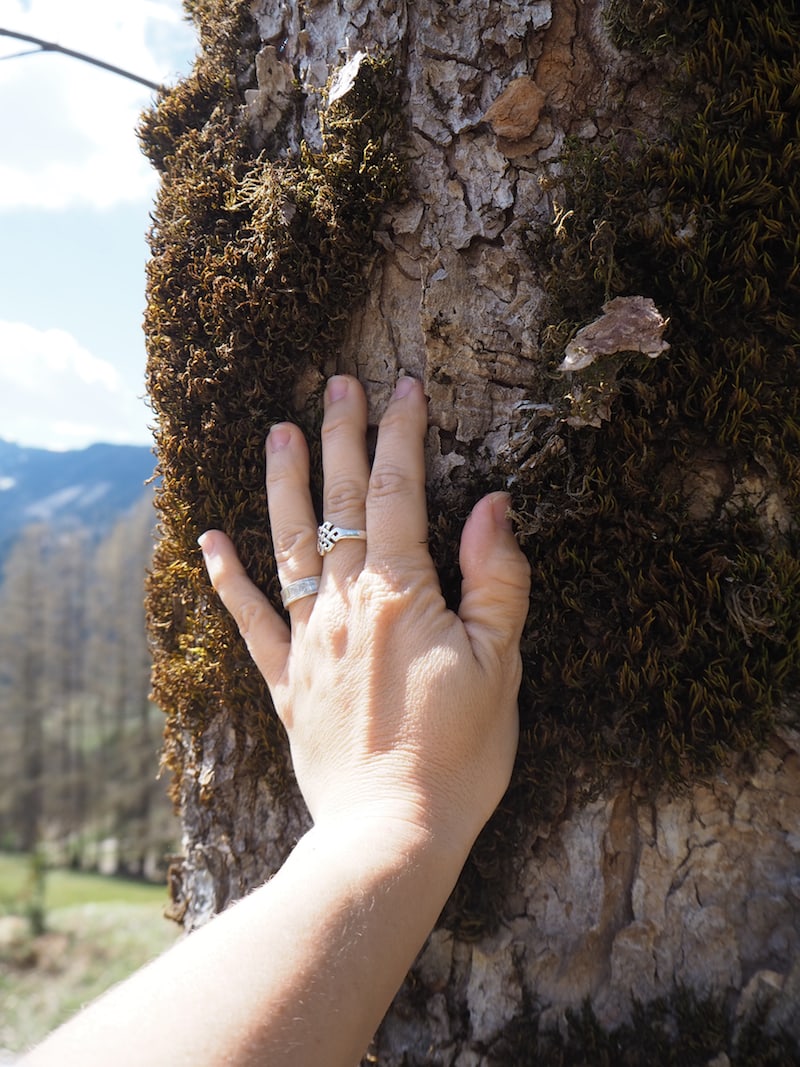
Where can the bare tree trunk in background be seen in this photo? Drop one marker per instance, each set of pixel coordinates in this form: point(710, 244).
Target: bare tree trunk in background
point(616, 894)
point(25, 665)
point(129, 800)
point(64, 640)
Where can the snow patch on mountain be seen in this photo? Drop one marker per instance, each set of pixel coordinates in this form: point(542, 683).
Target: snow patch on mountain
point(81, 496)
point(93, 487)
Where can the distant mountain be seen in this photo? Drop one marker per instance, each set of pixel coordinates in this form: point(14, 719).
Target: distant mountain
point(92, 487)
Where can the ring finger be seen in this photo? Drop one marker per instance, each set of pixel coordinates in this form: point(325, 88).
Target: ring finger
point(291, 516)
point(346, 471)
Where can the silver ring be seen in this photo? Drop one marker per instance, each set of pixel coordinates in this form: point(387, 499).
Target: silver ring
point(328, 535)
point(303, 587)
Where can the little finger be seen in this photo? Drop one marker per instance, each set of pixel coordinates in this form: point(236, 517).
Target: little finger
point(265, 633)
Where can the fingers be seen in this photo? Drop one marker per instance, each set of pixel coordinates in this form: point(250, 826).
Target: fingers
point(345, 469)
point(291, 513)
point(495, 590)
point(264, 632)
point(397, 517)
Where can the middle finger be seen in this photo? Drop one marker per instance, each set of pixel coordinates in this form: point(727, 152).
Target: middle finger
point(345, 469)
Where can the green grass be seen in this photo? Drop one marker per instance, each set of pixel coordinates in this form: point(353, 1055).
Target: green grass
point(98, 930)
point(44, 980)
point(66, 889)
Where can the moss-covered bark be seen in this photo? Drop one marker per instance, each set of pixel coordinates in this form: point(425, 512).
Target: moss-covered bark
point(410, 226)
point(256, 264)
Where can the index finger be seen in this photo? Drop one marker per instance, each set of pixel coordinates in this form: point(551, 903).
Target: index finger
point(397, 515)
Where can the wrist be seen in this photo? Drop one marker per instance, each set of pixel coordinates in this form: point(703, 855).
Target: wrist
point(401, 814)
point(390, 844)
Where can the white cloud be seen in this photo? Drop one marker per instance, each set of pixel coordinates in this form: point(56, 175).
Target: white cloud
point(69, 136)
point(54, 393)
point(102, 179)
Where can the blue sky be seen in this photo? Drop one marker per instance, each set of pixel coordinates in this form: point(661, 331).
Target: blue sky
point(75, 199)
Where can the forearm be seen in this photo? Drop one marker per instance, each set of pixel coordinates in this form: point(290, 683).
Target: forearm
point(392, 704)
point(300, 972)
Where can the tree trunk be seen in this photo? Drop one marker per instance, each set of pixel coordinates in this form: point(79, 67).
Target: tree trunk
point(23, 710)
point(648, 843)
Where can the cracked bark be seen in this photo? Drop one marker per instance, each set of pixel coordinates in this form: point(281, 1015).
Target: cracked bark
point(622, 897)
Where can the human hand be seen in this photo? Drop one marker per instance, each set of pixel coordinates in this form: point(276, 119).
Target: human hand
point(395, 707)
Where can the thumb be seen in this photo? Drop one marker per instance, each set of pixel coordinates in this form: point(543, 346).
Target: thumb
point(496, 580)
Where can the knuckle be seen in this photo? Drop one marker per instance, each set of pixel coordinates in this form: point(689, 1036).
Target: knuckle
point(511, 571)
point(293, 541)
point(384, 598)
point(343, 498)
point(249, 614)
point(393, 417)
point(333, 425)
point(515, 579)
point(279, 474)
point(389, 480)
point(510, 594)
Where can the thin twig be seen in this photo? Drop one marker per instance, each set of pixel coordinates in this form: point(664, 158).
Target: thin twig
point(50, 46)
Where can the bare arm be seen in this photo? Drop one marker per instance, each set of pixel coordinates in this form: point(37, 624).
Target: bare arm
point(402, 722)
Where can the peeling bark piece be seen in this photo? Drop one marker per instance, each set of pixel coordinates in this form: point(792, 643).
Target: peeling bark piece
point(345, 79)
point(267, 104)
point(628, 324)
point(515, 113)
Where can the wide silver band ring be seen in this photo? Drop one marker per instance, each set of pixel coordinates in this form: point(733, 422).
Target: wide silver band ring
point(328, 535)
point(303, 587)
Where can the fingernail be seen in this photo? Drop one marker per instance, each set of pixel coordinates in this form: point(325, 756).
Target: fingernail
point(279, 437)
point(337, 388)
point(500, 505)
point(404, 386)
point(206, 542)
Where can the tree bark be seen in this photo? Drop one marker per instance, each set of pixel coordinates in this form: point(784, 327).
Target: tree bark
point(626, 888)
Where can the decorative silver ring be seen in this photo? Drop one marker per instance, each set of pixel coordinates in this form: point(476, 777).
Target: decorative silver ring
point(303, 587)
point(328, 535)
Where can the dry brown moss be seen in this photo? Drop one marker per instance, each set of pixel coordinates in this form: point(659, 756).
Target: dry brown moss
point(256, 265)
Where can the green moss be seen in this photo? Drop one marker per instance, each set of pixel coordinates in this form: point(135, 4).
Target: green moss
point(256, 265)
point(652, 26)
